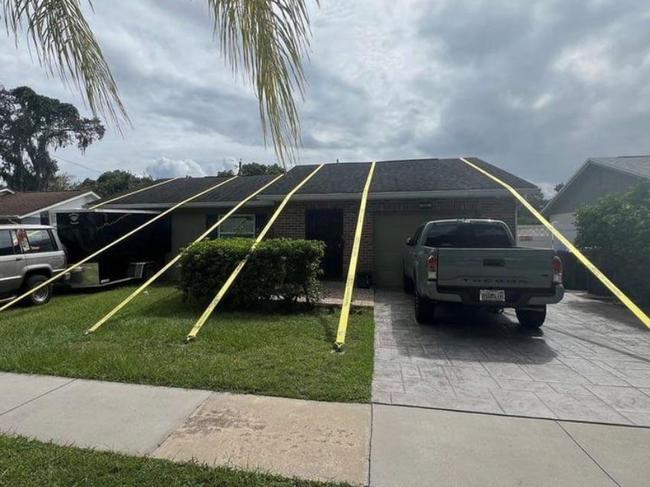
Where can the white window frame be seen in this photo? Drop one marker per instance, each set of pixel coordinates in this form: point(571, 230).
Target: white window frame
point(221, 234)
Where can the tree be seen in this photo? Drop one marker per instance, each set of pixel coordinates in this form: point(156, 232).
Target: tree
point(30, 126)
point(255, 169)
point(114, 182)
point(537, 200)
point(265, 39)
point(558, 187)
point(616, 230)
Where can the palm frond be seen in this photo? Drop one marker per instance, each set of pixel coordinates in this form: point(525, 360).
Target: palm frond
point(65, 45)
point(267, 39)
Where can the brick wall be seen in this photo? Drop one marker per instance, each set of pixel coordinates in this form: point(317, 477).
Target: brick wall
point(291, 223)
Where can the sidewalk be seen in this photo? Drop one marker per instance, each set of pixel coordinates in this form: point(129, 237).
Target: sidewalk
point(288, 437)
point(323, 441)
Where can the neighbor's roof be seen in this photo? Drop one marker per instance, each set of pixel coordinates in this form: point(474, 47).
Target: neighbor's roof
point(637, 166)
point(407, 178)
point(24, 204)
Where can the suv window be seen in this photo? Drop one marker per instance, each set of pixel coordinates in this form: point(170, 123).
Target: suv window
point(36, 241)
point(6, 243)
point(468, 235)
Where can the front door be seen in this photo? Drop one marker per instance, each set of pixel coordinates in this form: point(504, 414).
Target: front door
point(327, 226)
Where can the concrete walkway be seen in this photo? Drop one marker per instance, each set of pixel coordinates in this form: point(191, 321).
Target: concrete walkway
point(380, 445)
point(289, 437)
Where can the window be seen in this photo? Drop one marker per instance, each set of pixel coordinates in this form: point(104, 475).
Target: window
point(468, 235)
point(6, 243)
point(236, 226)
point(38, 241)
point(491, 236)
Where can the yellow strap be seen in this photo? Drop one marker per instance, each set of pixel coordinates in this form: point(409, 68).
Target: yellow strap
point(94, 207)
point(354, 257)
point(115, 242)
point(173, 261)
point(581, 257)
point(226, 285)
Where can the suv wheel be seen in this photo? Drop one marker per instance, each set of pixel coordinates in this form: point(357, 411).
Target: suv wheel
point(41, 296)
point(531, 318)
point(424, 309)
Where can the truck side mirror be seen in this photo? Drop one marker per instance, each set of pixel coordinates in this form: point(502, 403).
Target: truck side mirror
point(410, 242)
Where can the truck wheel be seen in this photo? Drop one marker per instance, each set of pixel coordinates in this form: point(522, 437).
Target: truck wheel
point(531, 318)
point(41, 296)
point(424, 309)
point(408, 284)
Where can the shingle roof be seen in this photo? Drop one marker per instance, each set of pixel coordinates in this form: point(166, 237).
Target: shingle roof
point(397, 177)
point(22, 204)
point(636, 165)
point(416, 175)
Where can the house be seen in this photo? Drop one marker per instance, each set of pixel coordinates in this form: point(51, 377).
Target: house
point(597, 177)
point(403, 195)
point(40, 206)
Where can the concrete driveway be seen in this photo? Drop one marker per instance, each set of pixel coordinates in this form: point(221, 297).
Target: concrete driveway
point(590, 362)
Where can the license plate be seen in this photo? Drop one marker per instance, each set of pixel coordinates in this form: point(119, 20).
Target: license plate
point(492, 295)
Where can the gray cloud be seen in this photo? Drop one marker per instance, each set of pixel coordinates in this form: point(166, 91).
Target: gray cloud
point(535, 86)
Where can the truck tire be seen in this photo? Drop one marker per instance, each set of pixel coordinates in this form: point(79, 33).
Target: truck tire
point(408, 284)
point(43, 295)
point(424, 309)
point(531, 318)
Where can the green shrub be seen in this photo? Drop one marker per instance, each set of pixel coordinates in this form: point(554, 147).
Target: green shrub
point(616, 233)
point(279, 269)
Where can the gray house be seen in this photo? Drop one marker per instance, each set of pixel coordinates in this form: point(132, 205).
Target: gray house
point(402, 196)
point(597, 177)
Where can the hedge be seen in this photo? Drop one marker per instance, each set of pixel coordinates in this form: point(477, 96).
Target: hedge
point(279, 269)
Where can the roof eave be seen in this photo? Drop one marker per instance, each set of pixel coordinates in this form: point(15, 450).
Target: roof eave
point(46, 208)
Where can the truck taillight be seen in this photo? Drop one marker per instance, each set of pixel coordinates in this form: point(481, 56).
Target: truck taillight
point(432, 266)
point(557, 270)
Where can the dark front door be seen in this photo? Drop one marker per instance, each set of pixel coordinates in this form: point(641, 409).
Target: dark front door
point(327, 226)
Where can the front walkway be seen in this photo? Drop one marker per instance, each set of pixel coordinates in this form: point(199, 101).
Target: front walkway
point(589, 362)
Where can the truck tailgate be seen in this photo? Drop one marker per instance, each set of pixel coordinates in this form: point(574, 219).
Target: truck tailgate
point(495, 268)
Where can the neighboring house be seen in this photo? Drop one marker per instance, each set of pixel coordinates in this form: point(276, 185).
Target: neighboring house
point(597, 177)
point(40, 206)
point(403, 195)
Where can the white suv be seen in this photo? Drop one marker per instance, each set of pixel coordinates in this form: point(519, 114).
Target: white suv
point(29, 255)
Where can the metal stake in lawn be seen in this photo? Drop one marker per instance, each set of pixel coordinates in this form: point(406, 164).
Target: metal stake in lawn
point(115, 242)
point(567, 243)
point(352, 270)
point(224, 289)
point(147, 188)
point(169, 264)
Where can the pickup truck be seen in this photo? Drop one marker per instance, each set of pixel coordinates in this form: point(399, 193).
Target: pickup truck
point(476, 263)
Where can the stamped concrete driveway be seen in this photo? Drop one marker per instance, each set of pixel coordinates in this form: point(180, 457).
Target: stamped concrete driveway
point(589, 362)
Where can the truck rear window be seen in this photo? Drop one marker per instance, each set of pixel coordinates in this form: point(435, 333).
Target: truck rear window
point(468, 235)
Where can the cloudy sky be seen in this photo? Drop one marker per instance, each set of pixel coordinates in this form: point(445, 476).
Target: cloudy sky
point(535, 87)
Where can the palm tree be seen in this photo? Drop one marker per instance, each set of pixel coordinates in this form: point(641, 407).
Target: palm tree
point(266, 39)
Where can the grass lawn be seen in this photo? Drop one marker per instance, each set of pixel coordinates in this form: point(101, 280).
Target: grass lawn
point(273, 354)
point(28, 462)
